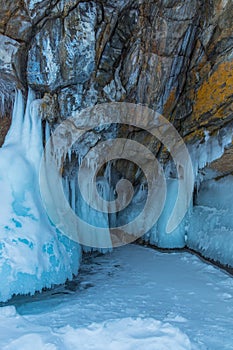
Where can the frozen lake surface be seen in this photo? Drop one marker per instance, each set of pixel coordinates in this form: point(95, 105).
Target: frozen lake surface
point(133, 298)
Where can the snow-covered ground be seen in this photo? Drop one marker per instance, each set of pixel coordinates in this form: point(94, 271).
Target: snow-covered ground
point(133, 298)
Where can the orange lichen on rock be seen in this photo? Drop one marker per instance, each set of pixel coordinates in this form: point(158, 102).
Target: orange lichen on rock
point(215, 90)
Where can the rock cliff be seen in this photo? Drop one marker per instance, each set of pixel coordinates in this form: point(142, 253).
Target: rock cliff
point(174, 56)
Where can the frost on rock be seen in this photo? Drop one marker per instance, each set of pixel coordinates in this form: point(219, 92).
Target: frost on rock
point(33, 254)
point(67, 56)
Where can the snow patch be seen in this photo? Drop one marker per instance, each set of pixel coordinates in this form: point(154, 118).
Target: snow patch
point(126, 334)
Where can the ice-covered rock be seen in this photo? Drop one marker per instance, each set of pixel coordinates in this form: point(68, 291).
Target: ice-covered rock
point(211, 222)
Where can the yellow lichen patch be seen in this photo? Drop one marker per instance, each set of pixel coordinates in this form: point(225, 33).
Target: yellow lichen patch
point(215, 90)
point(198, 134)
point(223, 113)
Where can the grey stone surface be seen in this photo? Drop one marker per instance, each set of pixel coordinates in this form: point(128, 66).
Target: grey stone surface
point(173, 55)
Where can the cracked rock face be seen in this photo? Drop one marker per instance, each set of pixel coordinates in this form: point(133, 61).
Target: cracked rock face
point(174, 56)
point(67, 56)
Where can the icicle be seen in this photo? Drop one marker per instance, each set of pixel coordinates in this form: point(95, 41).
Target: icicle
point(95, 165)
point(47, 132)
point(72, 189)
point(69, 154)
point(36, 134)
point(138, 173)
point(14, 135)
point(66, 187)
point(27, 124)
point(80, 159)
point(142, 187)
point(2, 103)
point(108, 171)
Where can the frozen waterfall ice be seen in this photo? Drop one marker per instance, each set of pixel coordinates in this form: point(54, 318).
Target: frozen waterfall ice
point(33, 253)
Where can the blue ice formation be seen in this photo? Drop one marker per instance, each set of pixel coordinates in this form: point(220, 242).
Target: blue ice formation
point(33, 253)
point(211, 222)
